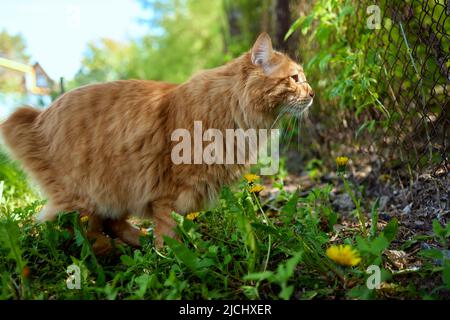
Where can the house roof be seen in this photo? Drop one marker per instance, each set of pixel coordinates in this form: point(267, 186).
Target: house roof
point(40, 71)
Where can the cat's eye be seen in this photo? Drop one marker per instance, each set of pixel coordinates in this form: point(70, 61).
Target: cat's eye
point(295, 77)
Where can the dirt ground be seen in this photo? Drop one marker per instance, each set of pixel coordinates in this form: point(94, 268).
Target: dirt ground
point(415, 202)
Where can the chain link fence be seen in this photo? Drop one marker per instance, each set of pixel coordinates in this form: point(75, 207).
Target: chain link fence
point(413, 50)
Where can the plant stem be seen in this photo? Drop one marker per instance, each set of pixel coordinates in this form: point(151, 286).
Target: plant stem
point(270, 236)
point(359, 213)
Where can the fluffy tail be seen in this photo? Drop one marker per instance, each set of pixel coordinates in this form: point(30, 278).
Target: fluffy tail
point(22, 138)
point(22, 134)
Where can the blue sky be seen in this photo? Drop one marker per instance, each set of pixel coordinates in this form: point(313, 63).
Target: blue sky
point(57, 31)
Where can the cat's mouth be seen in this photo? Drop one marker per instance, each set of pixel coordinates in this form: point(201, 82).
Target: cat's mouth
point(297, 107)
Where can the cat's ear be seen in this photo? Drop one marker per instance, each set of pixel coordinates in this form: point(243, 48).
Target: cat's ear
point(262, 50)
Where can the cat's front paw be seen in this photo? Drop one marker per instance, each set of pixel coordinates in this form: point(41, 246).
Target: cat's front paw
point(159, 236)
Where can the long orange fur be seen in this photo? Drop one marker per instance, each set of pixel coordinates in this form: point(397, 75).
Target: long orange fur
point(104, 149)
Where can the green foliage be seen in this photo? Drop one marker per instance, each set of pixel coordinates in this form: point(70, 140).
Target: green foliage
point(330, 30)
point(185, 36)
point(243, 248)
point(283, 274)
point(237, 250)
point(243, 24)
point(105, 60)
point(9, 235)
point(440, 255)
point(12, 47)
point(380, 83)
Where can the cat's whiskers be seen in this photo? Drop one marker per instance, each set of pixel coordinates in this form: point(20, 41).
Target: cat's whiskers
point(282, 112)
point(298, 111)
point(291, 125)
point(286, 109)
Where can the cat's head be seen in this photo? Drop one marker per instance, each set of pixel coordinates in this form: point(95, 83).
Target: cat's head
point(275, 82)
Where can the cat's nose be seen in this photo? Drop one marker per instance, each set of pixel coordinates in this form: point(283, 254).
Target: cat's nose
point(309, 90)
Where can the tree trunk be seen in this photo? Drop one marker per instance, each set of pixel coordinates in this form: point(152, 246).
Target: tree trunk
point(282, 16)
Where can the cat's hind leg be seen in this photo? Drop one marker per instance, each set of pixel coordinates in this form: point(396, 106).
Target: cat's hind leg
point(102, 244)
point(60, 200)
point(51, 210)
point(47, 213)
point(164, 223)
point(125, 231)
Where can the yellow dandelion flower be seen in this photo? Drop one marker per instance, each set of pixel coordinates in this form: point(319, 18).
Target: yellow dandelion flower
point(256, 188)
point(84, 219)
point(250, 177)
point(341, 161)
point(344, 255)
point(192, 216)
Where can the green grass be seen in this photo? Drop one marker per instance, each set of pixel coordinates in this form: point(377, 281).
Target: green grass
point(243, 249)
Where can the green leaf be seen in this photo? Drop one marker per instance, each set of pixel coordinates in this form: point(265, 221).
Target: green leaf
point(143, 282)
point(286, 292)
point(309, 295)
point(227, 259)
point(302, 22)
point(446, 276)
point(259, 276)
point(183, 253)
point(369, 125)
point(391, 229)
point(293, 27)
point(345, 11)
point(323, 63)
point(432, 253)
point(205, 263)
point(374, 216)
point(9, 236)
point(362, 244)
point(250, 292)
point(307, 23)
point(361, 292)
point(265, 228)
point(188, 257)
point(127, 260)
point(79, 237)
point(378, 245)
point(447, 230)
point(290, 208)
point(438, 229)
point(323, 33)
point(232, 204)
point(374, 247)
point(285, 271)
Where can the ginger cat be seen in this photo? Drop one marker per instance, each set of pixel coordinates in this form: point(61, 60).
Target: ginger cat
point(105, 149)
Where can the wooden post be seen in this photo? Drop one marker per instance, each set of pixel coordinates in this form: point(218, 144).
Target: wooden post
point(61, 85)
